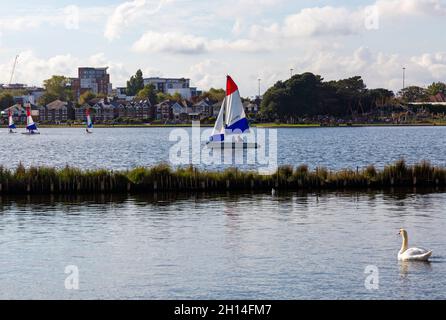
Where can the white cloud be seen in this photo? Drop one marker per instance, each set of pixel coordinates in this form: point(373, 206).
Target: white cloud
point(129, 13)
point(243, 8)
point(377, 68)
point(411, 7)
point(435, 64)
point(69, 17)
point(323, 21)
point(345, 21)
point(172, 42)
point(239, 45)
point(32, 70)
point(180, 43)
point(21, 23)
point(215, 34)
point(208, 74)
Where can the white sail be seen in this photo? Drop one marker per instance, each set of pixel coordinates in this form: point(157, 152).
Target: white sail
point(11, 124)
point(89, 122)
point(231, 120)
point(30, 125)
point(236, 121)
point(218, 134)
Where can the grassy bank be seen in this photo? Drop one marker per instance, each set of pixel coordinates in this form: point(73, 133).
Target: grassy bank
point(162, 178)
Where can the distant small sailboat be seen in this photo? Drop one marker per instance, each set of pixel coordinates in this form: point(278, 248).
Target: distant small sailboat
point(89, 122)
point(231, 121)
point(11, 124)
point(30, 125)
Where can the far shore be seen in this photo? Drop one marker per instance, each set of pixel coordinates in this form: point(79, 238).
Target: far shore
point(260, 125)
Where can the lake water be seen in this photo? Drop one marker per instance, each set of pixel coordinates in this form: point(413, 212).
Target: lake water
point(252, 246)
point(126, 148)
point(200, 246)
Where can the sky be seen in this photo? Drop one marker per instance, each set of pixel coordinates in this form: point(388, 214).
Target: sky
point(206, 39)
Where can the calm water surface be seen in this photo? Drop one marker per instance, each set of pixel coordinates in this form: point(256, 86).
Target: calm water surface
point(118, 148)
point(313, 246)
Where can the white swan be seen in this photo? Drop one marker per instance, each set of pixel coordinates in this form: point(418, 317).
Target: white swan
point(412, 254)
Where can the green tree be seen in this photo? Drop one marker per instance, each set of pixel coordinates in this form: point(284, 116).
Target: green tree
point(148, 93)
point(379, 97)
point(58, 87)
point(214, 94)
point(436, 88)
point(413, 94)
point(135, 84)
point(86, 97)
point(177, 96)
point(302, 95)
point(47, 98)
point(160, 97)
point(6, 100)
point(308, 95)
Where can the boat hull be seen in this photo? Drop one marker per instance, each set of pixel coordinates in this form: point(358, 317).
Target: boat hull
point(30, 134)
point(232, 145)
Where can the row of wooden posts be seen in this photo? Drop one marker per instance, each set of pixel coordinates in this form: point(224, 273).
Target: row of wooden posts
point(173, 183)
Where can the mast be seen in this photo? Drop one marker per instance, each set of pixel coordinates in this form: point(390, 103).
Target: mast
point(13, 70)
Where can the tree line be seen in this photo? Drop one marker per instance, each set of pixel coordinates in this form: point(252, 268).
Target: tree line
point(308, 95)
point(303, 95)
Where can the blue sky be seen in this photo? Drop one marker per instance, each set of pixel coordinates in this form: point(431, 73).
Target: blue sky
point(206, 39)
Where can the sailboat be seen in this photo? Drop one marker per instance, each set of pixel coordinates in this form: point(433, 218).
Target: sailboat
point(231, 121)
point(11, 124)
point(89, 122)
point(30, 125)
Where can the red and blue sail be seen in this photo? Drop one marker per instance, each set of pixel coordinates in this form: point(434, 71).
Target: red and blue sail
point(89, 121)
point(236, 121)
point(30, 125)
point(11, 124)
point(232, 110)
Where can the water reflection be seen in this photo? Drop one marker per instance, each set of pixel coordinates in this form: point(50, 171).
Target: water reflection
point(400, 198)
point(414, 267)
point(221, 245)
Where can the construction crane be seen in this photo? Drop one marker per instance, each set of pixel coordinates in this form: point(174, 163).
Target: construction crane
point(13, 69)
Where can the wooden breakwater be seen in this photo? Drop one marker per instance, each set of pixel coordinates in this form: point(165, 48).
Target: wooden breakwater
point(162, 178)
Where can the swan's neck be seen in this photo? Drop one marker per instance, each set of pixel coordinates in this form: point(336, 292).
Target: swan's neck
point(405, 243)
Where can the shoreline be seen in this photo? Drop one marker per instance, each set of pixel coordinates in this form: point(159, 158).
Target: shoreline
point(263, 126)
point(163, 178)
